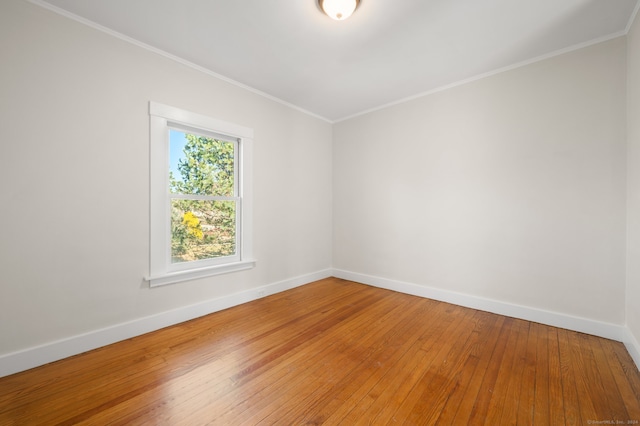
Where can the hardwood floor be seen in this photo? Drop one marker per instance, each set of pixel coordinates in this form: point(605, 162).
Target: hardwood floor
point(336, 352)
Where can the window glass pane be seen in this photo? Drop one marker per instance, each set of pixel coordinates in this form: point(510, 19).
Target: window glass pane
point(202, 229)
point(200, 165)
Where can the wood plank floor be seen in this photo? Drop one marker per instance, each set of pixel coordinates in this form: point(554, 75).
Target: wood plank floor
point(336, 352)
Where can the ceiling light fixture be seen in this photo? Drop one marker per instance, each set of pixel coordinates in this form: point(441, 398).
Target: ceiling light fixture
point(338, 9)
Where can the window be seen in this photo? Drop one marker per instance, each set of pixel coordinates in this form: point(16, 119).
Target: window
point(200, 196)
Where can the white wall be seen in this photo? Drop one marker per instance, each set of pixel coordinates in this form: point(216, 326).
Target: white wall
point(74, 179)
point(633, 166)
point(510, 188)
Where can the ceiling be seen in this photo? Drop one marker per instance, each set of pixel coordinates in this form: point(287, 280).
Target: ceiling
point(389, 50)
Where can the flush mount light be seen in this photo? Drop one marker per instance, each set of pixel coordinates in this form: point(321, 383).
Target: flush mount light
point(338, 9)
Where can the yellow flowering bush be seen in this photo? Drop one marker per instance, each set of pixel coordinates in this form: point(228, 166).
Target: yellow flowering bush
point(193, 225)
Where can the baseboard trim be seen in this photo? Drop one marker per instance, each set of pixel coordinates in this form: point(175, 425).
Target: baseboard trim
point(633, 347)
point(616, 332)
point(39, 355)
point(583, 325)
point(33, 357)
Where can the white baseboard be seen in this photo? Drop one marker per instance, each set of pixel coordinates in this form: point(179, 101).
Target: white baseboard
point(583, 325)
point(33, 357)
point(616, 332)
point(633, 347)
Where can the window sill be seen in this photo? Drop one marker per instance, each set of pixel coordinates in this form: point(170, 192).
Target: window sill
point(176, 277)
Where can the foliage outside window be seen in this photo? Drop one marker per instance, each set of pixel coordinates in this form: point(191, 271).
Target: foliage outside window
point(202, 229)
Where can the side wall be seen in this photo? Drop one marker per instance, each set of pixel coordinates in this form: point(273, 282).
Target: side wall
point(74, 215)
point(509, 189)
point(633, 188)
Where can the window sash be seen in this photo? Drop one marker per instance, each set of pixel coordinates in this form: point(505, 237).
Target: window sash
point(213, 261)
point(237, 156)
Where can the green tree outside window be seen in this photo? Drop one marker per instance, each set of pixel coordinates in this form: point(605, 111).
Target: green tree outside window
point(203, 229)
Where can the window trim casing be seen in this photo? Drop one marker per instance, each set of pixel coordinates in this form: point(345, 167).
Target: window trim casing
point(161, 118)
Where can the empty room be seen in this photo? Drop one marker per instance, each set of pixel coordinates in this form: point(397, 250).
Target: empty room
point(319, 212)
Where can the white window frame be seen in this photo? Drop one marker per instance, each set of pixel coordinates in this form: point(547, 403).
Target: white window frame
point(162, 271)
